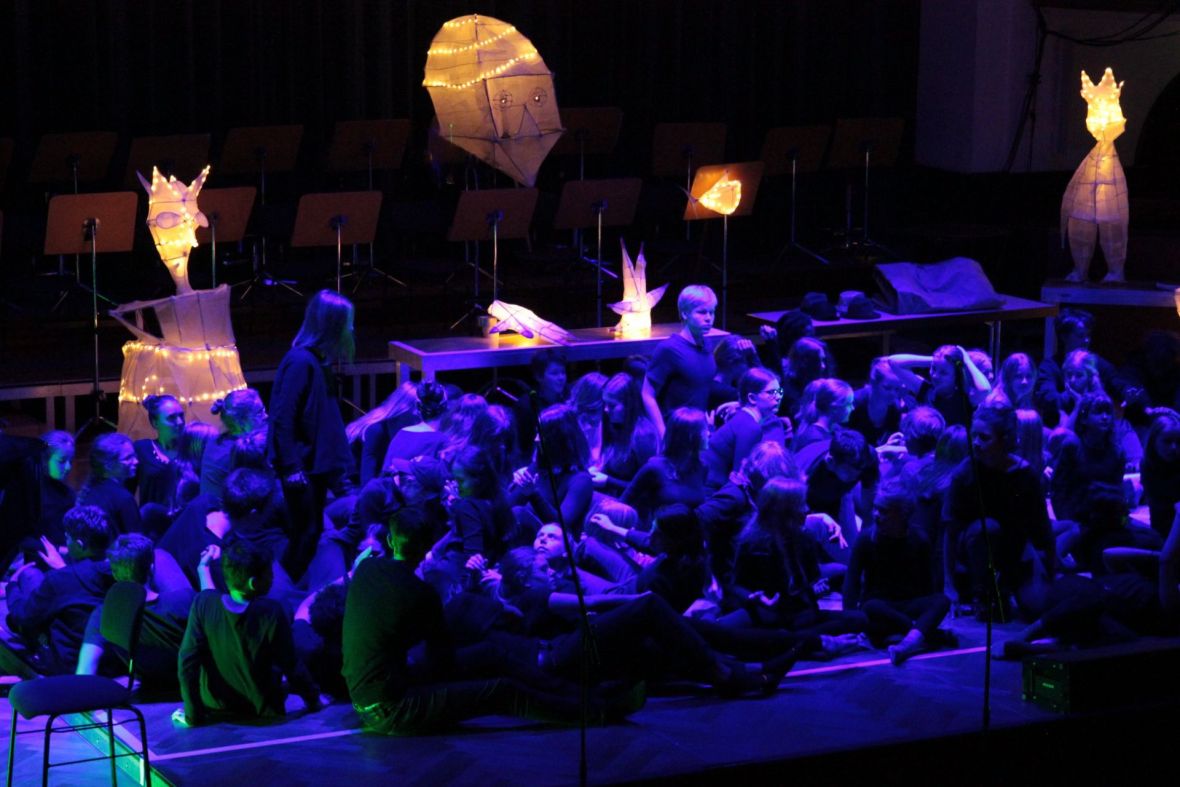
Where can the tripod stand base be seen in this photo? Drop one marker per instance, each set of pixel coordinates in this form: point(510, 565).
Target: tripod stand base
point(363, 273)
point(261, 280)
point(96, 423)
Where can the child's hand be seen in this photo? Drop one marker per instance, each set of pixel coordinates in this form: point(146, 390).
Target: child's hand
point(179, 719)
point(209, 554)
point(50, 555)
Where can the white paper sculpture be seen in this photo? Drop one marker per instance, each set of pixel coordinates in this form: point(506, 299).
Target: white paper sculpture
point(635, 308)
point(1095, 203)
point(525, 322)
point(493, 95)
point(195, 358)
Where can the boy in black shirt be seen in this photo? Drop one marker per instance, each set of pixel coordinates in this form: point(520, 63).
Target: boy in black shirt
point(132, 559)
point(50, 610)
point(238, 646)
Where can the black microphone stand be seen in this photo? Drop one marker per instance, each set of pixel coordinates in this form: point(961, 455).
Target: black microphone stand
point(589, 643)
point(993, 578)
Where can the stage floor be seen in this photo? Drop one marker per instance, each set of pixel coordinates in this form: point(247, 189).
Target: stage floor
point(854, 703)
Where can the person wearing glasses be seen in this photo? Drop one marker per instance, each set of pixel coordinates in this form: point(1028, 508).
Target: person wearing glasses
point(757, 420)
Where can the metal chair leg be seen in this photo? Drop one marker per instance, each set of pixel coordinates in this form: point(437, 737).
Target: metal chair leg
point(147, 765)
point(111, 742)
point(45, 752)
point(11, 745)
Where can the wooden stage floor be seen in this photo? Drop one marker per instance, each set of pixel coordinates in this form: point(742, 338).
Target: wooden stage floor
point(829, 723)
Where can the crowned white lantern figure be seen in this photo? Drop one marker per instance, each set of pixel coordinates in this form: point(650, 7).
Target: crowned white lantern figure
point(195, 358)
point(1095, 203)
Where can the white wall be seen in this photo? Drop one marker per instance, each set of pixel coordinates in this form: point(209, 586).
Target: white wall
point(973, 69)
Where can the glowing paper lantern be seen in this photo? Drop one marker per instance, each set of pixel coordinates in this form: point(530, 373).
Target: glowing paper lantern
point(723, 197)
point(525, 322)
point(173, 218)
point(493, 95)
point(1095, 204)
point(635, 308)
point(195, 359)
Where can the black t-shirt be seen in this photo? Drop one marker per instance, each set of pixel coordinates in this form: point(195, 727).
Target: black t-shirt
point(55, 613)
point(116, 502)
point(890, 568)
point(234, 662)
point(1013, 498)
point(388, 611)
point(680, 373)
point(164, 622)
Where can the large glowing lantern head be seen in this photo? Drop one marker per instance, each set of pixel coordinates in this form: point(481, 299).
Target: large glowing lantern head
point(493, 95)
point(635, 308)
point(173, 218)
point(724, 196)
point(1104, 114)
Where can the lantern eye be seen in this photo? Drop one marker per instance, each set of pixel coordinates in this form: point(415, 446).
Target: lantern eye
point(164, 220)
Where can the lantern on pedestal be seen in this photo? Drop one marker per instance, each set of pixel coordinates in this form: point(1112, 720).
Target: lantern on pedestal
point(1095, 203)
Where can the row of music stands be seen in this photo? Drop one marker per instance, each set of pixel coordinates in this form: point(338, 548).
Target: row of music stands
point(257, 151)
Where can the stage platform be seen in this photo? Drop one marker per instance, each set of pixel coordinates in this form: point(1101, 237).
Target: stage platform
point(854, 719)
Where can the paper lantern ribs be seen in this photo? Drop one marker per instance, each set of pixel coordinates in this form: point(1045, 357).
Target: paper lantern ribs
point(493, 95)
point(1095, 205)
point(635, 308)
point(525, 322)
point(195, 359)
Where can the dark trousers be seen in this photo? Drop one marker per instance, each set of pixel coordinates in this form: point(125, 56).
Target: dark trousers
point(637, 640)
point(898, 617)
point(305, 506)
point(438, 706)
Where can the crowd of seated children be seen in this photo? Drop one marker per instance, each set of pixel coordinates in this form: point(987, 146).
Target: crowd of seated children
point(430, 561)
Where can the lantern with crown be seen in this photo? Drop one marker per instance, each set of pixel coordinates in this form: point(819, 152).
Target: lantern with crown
point(195, 358)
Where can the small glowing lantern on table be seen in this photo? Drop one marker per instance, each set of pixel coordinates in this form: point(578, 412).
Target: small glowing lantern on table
point(635, 308)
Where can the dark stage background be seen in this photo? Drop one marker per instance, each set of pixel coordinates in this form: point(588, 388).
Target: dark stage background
point(207, 65)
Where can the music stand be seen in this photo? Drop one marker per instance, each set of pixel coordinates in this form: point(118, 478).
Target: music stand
point(588, 131)
point(854, 143)
point(749, 173)
point(491, 214)
point(335, 219)
point(228, 212)
point(182, 155)
point(81, 157)
point(367, 145)
point(257, 150)
point(791, 150)
point(78, 157)
point(681, 147)
point(78, 223)
point(597, 203)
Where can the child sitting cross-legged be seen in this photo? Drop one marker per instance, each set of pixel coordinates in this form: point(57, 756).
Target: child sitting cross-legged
point(238, 646)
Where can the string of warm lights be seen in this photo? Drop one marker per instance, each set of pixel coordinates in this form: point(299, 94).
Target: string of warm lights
point(181, 353)
point(455, 50)
point(463, 20)
point(500, 69)
point(152, 384)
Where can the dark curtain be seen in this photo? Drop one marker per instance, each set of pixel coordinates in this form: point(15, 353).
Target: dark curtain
point(170, 66)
